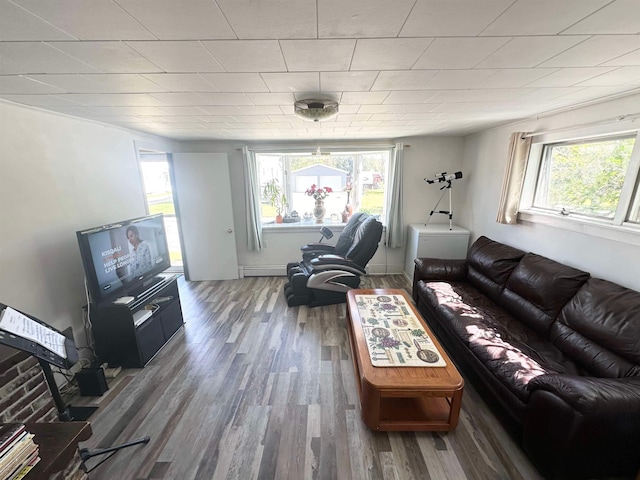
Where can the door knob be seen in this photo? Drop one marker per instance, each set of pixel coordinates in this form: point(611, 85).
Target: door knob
point(229, 230)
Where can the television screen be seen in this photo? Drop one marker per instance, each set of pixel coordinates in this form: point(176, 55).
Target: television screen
point(120, 258)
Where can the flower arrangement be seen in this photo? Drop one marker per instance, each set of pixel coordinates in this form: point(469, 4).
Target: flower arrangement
point(318, 193)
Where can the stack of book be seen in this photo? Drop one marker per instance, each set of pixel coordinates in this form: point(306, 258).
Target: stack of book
point(18, 452)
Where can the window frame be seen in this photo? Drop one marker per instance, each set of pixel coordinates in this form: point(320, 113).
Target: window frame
point(618, 228)
point(308, 151)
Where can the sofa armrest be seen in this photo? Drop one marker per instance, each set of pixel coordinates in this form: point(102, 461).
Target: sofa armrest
point(583, 427)
point(592, 394)
point(438, 269)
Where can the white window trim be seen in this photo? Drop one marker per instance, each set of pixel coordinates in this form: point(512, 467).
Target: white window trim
point(616, 229)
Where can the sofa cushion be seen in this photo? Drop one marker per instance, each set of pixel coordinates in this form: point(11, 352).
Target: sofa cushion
point(513, 352)
point(537, 290)
point(490, 264)
point(600, 329)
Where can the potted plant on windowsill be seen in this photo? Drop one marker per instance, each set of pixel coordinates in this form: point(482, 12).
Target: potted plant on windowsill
point(276, 197)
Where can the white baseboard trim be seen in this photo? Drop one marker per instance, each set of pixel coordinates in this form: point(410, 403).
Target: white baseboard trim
point(263, 271)
point(281, 270)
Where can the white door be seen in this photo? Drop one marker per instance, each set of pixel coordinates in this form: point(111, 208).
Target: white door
point(203, 191)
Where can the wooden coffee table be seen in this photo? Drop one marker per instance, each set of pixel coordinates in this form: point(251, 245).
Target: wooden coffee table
point(403, 398)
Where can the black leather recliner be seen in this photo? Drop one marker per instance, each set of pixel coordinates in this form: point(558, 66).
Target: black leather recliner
point(327, 272)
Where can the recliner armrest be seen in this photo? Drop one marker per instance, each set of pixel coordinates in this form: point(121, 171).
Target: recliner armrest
point(318, 247)
point(592, 394)
point(324, 262)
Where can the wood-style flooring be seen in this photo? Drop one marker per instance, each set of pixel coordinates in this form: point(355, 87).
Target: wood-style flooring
point(253, 389)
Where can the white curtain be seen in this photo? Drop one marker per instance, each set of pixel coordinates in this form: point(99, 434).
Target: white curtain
point(519, 147)
point(395, 229)
point(252, 194)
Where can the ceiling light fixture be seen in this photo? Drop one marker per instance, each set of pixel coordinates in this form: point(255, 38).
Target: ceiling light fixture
point(316, 110)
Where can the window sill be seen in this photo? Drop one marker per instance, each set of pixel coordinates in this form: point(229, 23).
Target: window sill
point(302, 226)
point(627, 233)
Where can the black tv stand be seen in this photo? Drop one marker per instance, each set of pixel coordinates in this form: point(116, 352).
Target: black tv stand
point(121, 342)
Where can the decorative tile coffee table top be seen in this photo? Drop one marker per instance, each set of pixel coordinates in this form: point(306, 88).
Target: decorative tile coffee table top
point(395, 337)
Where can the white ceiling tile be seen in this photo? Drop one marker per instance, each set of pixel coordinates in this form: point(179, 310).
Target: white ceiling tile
point(247, 55)
point(36, 57)
point(437, 18)
point(388, 53)
point(181, 82)
point(273, 19)
point(317, 55)
point(620, 16)
point(346, 81)
point(17, 24)
point(523, 52)
point(380, 109)
point(403, 80)
point(595, 51)
point(236, 82)
point(455, 79)
point(109, 57)
point(409, 97)
point(543, 94)
point(590, 93)
point(125, 110)
point(619, 76)
point(124, 83)
point(112, 100)
point(260, 109)
point(567, 77)
point(90, 20)
point(173, 110)
point(76, 83)
point(348, 108)
point(632, 58)
point(458, 52)
point(542, 17)
point(515, 77)
point(171, 20)
point(221, 110)
point(20, 84)
point(178, 56)
point(228, 98)
point(292, 82)
point(362, 18)
point(271, 98)
point(479, 95)
point(181, 98)
point(43, 101)
point(363, 98)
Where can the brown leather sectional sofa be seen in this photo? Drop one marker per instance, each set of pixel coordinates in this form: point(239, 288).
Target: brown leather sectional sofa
point(554, 351)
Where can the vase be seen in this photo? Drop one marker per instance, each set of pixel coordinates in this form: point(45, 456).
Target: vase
point(319, 211)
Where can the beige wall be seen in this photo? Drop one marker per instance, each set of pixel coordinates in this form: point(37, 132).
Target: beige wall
point(485, 156)
point(58, 175)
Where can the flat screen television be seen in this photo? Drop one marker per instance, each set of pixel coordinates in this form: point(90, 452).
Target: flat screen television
point(122, 259)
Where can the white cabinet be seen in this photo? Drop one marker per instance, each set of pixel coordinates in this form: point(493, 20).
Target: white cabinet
point(434, 240)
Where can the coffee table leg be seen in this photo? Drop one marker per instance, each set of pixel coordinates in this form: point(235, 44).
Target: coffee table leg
point(370, 404)
point(454, 413)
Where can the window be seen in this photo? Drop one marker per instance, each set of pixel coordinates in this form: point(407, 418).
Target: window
point(356, 178)
point(594, 179)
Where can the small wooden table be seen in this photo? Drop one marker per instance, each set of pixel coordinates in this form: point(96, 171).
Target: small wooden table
point(403, 398)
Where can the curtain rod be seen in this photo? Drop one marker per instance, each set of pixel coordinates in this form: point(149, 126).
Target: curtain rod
point(314, 146)
point(620, 118)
